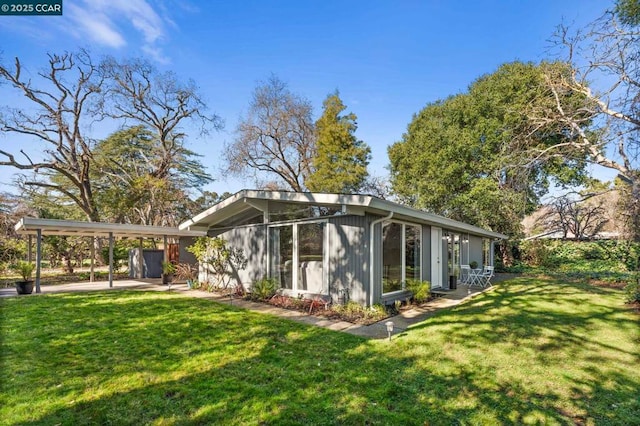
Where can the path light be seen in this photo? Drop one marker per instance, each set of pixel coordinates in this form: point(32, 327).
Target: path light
point(389, 325)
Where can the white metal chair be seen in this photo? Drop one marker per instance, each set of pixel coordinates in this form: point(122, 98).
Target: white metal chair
point(465, 274)
point(485, 277)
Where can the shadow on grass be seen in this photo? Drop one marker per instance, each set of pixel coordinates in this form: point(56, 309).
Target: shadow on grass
point(139, 358)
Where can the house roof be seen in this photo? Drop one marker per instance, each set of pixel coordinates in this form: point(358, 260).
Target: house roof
point(30, 225)
point(250, 200)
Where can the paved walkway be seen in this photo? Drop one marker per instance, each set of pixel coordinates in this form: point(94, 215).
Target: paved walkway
point(378, 330)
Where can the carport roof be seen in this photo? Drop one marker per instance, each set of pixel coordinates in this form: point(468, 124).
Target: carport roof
point(30, 225)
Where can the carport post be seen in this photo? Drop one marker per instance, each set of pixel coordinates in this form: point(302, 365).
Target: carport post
point(166, 249)
point(110, 259)
point(38, 258)
point(30, 249)
point(92, 274)
point(141, 260)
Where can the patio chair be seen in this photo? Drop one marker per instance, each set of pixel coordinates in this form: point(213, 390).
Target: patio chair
point(465, 274)
point(485, 277)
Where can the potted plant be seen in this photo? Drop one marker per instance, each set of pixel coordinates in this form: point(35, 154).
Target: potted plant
point(168, 269)
point(187, 272)
point(25, 269)
point(473, 264)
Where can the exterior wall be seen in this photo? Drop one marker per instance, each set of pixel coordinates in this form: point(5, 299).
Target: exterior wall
point(349, 258)
point(475, 249)
point(252, 240)
point(185, 256)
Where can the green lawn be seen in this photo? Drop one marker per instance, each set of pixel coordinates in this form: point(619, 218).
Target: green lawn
point(529, 352)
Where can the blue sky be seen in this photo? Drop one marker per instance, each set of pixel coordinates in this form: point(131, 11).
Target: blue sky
point(388, 59)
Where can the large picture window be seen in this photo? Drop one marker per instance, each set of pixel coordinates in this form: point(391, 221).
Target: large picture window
point(401, 253)
point(297, 256)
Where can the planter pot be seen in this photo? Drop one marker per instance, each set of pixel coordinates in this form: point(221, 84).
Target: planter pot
point(24, 287)
point(167, 278)
point(453, 282)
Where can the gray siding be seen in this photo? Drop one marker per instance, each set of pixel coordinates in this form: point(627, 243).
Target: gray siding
point(348, 258)
point(185, 256)
point(252, 240)
point(475, 249)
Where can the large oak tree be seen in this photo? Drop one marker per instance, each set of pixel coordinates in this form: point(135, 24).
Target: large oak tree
point(460, 157)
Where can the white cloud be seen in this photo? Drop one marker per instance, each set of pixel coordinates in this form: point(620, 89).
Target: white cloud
point(96, 26)
point(110, 23)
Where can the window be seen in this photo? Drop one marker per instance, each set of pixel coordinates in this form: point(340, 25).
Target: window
point(279, 212)
point(297, 256)
point(401, 254)
point(281, 250)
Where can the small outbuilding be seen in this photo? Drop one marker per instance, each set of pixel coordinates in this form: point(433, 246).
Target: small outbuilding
point(346, 247)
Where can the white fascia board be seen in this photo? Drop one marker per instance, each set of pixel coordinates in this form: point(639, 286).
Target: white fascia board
point(200, 217)
point(434, 219)
point(254, 198)
point(29, 225)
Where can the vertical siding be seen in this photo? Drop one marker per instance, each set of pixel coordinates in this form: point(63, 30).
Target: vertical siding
point(185, 256)
point(252, 240)
point(475, 249)
point(348, 258)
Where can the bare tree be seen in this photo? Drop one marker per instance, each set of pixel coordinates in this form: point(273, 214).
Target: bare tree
point(138, 94)
point(58, 118)
point(276, 138)
point(579, 219)
point(605, 126)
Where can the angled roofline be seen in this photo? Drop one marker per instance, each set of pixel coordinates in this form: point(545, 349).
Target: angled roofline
point(367, 202)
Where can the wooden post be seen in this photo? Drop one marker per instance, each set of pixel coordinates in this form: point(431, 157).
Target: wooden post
point(38, 258)
point(110, 259)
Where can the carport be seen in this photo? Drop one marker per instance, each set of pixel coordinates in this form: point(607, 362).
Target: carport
point(38, 227)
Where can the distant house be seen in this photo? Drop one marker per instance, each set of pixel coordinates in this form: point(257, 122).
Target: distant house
point(347, 247)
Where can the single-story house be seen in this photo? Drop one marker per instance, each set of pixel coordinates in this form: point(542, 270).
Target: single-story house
point(347, 247)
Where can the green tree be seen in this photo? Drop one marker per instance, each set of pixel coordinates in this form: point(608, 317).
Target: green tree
point(138, 183)
point(628, 11)
point(460, 157)
point(340, 163)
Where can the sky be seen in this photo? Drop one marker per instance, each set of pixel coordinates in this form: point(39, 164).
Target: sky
point(388, 59)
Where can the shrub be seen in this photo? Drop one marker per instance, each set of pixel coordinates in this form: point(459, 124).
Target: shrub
point(120, 255)
point(421, 290)
point(632, 289)
point(535, 252)
point(218, 258)
point(353, 311)
point(25, 269)
point(264, 289)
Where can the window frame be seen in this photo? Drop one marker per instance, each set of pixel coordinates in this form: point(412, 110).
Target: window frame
point(403, 254)
point(296, 255)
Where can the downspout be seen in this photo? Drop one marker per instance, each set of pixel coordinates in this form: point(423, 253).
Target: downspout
point(371, 253)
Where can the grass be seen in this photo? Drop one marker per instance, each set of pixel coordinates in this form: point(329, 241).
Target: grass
point(533, 351)
point(57, 276)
